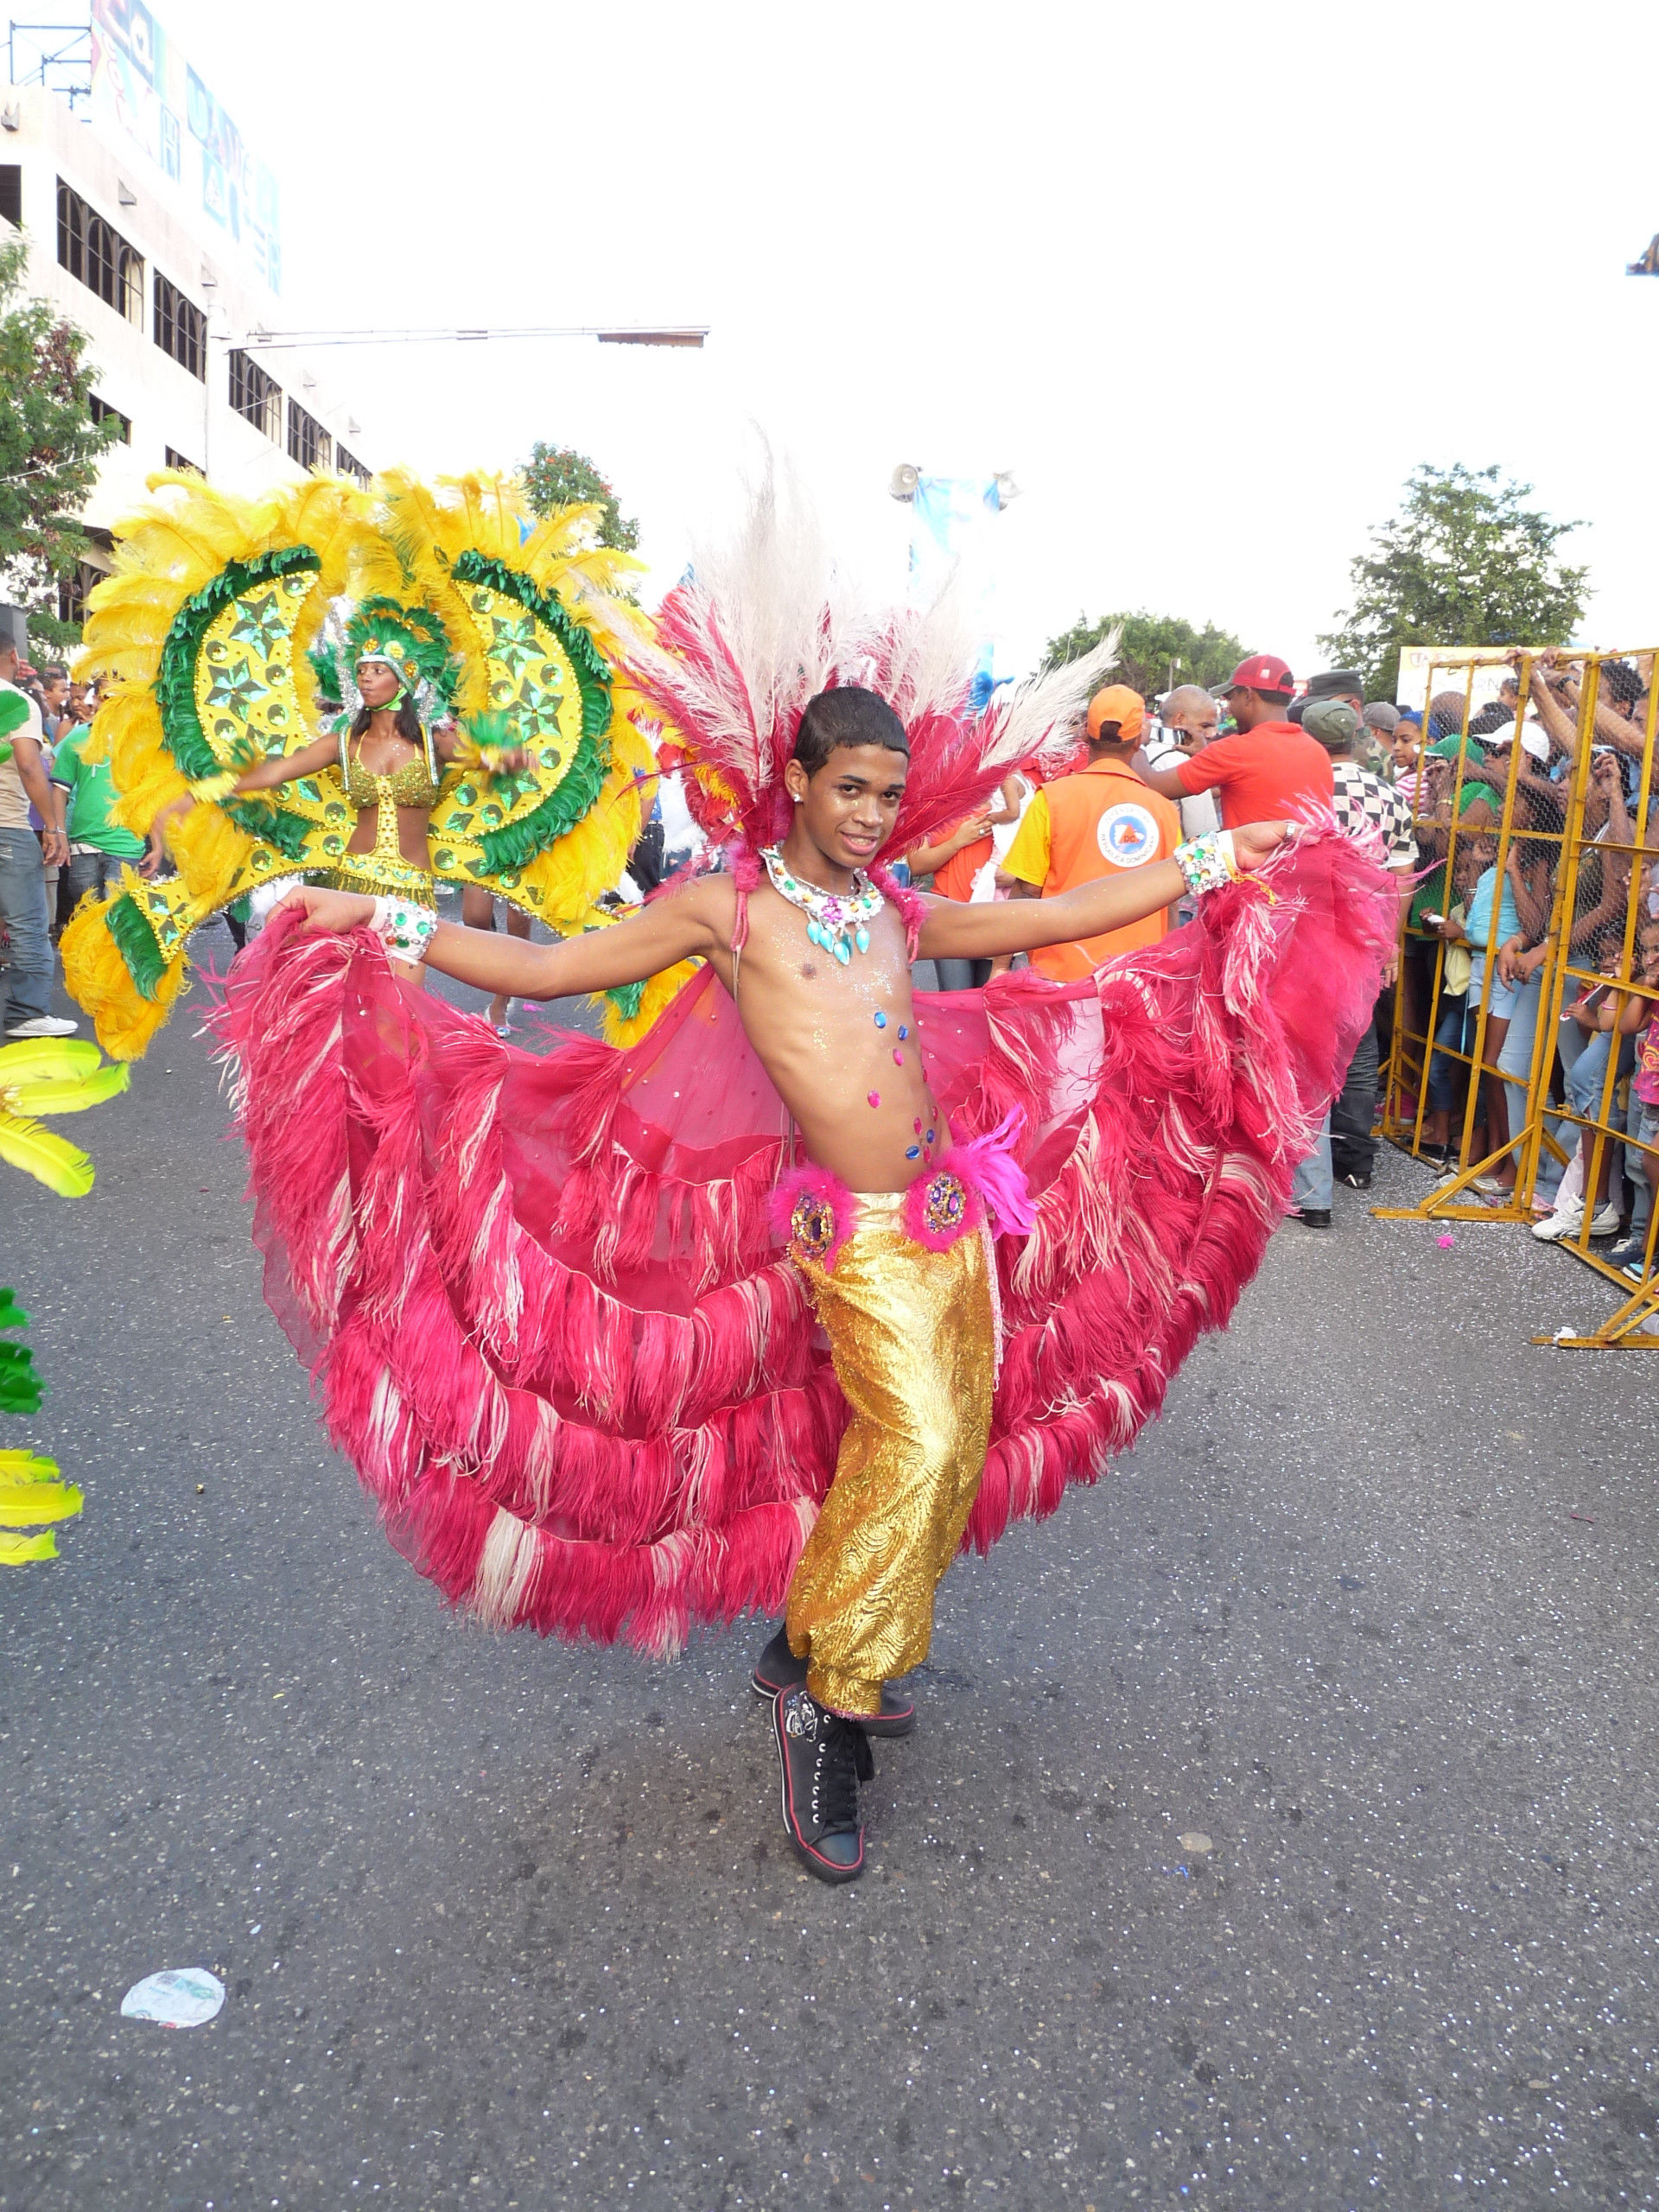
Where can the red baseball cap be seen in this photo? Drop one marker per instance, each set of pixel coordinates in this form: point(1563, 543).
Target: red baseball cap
point(1261, 673)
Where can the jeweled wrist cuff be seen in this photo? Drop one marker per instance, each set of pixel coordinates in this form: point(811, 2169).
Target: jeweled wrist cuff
point(404, 930)
point(1208, 862)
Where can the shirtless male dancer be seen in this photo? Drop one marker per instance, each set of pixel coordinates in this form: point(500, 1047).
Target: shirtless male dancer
point(823, 987)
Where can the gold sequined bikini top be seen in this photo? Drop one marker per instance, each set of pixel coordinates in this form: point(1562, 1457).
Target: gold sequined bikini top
point(412, 784)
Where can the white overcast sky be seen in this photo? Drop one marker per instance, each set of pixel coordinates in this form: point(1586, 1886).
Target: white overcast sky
point(1210, 279)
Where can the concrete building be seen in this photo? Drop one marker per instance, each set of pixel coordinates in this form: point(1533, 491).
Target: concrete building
point(170, 299)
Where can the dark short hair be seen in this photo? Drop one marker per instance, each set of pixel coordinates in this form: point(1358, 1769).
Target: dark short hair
point(848, 715)
point(54, 672)
point(1490, 718)
point(1622, 680)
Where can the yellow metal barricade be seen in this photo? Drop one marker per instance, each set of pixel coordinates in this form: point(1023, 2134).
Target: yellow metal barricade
point(1542, 845)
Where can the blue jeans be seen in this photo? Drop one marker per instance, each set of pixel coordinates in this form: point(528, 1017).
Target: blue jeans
point(99, 872)
point(1447, 1077)
point(1570, 1045)
point(1312, 1186)
point(1587, 1074)
point(27, 981)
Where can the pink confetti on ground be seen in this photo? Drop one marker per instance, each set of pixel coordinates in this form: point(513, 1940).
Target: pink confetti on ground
point(1446, 1242)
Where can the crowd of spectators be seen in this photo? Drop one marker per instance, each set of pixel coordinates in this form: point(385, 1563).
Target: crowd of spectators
point(1476, 941)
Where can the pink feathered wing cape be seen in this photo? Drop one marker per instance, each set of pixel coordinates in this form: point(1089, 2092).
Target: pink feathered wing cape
point(545, 1309)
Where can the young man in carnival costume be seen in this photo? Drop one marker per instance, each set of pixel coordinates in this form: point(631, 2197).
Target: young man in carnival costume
point(545, 1299)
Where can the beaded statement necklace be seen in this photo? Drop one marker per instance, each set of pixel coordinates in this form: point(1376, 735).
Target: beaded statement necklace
point(837, 922)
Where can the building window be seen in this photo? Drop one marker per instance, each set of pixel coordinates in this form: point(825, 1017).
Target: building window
point(102, 412)
point(181, 329)
point(256, 398)
point(100, 256)
point(72, 590)
point(349, 465)
point(11, 193)
point(177, 459)
point(307, 442)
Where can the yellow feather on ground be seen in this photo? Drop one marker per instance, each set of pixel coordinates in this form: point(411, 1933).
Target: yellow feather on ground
point(41, 1060)
point(29, 1495)
point(57, 1096)
point(50, 1158)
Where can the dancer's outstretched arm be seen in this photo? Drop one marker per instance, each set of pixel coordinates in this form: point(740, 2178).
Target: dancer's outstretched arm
point(683, 927)
point(955, 930)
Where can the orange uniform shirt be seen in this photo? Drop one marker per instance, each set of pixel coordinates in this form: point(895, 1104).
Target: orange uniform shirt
point(1104, 820)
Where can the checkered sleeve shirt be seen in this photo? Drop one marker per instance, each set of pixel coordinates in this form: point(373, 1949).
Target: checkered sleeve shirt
point(1364, 803)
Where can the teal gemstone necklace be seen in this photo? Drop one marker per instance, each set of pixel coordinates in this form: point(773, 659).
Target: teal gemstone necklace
point(839, 924)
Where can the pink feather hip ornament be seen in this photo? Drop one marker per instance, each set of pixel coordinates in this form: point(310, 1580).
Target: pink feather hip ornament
point(971, 1181)
point(814, 1212)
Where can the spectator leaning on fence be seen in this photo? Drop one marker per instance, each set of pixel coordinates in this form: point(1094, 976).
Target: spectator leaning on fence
point(1609, 1019)
point(1643, 1123)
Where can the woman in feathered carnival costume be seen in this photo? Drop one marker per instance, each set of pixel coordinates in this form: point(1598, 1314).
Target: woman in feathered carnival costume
point(486, 741)
point(561, 1311)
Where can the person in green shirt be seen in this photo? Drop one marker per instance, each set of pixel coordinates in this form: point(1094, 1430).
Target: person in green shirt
point(85, 792)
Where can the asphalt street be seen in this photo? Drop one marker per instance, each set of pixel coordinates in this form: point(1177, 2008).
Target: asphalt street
point(1280, 1829)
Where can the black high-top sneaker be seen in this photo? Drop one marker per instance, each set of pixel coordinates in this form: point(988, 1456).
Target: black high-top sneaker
point(823, 1759)
point(777, 1669)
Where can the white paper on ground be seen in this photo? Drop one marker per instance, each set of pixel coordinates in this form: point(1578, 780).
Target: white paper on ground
point(182, 1997)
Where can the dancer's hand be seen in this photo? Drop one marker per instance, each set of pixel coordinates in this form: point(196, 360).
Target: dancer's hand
point(1258, 842)
point(328, 913)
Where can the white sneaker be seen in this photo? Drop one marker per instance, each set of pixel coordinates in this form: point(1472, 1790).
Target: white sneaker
point(1567, 1221)
point(1606, 1222)
point(45, 1025)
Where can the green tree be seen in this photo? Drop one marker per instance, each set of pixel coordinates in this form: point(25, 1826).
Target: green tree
point(49, 446)
point(559, 476)
point(1462, 563)
point(1157, 651)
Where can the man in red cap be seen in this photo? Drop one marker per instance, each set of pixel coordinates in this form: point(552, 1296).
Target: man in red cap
point(1270, 767)
point(1101, 821)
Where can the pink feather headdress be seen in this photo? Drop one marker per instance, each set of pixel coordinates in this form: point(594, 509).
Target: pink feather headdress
point(763, 624)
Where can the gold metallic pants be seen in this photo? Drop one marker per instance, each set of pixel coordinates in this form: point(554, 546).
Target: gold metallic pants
point(913, 1337)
